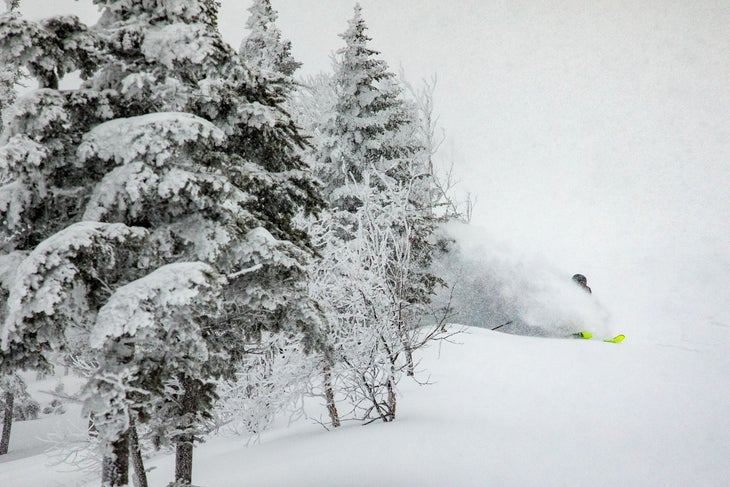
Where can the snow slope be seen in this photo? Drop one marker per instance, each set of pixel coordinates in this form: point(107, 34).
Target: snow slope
point(501, 410)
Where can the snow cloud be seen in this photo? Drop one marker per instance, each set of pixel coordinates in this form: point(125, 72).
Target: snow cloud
point(494, 284)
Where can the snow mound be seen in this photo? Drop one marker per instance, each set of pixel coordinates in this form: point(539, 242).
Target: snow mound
point(500, 410)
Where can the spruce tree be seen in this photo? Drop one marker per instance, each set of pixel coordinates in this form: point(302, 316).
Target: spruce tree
point(9, 384)
point(265, 52)
point(153, 207)
point(268, 379)
point(375, 240)
point(372, 125)
point(38, 189)
point(9, 76)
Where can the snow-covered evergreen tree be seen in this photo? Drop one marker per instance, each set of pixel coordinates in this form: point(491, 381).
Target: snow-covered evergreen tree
point(39, 191)
point(264, 382)
point(12, 4)
point(375, 239)
point(155, 204)
point(9, 75)
point(265, 52)
point(371, 124)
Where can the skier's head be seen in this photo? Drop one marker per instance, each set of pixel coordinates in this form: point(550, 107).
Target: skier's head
point(580, 279)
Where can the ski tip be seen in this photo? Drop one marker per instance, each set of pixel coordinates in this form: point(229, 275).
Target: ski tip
point(616, 339)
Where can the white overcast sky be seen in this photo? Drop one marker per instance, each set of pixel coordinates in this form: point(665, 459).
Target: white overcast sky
point(590, 131)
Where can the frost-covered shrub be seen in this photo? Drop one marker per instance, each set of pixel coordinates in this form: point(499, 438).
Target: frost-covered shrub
point(25, 408)
point(272, 379)
point(55, 407)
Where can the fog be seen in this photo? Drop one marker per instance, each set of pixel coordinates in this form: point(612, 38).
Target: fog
point(595, 137)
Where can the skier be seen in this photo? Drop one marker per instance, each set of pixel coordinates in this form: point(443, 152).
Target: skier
point(581, 280)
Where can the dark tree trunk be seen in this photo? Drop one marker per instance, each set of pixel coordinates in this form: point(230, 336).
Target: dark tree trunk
point(391, 400)
point(407, 343)
point(184, 461)
point(9, 399)
point(410, 368)
point(140, 476)
point(330, 396)
point(184, 448)
point(115, 467)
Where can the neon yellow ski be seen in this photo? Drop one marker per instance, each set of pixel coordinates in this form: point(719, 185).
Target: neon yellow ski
point(587, 335)
point(616, 339)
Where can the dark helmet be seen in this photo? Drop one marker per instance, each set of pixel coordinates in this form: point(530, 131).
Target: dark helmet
point(580, 279)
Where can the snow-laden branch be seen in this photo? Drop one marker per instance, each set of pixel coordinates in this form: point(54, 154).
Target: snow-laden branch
point(52, 276)
point(244, 271)
point(155, 138)
point(141, 303)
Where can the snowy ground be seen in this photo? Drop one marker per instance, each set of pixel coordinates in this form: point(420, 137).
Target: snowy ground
point(501, 410)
